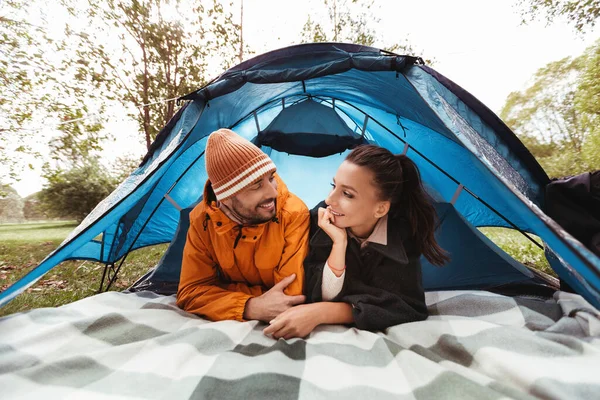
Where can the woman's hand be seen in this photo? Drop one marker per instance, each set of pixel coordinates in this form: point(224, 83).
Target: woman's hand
point(296, 322)
point(326, 222)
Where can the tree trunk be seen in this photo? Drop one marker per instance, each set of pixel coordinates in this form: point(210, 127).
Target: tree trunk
point(241, 55)
point(145, 98)
point(335, 24)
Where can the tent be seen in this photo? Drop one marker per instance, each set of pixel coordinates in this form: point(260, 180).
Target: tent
point(307, 105)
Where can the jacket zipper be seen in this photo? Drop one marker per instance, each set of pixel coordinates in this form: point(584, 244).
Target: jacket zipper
point(237, 239)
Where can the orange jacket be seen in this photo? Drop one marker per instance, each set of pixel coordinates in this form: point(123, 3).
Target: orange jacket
point(218, 278)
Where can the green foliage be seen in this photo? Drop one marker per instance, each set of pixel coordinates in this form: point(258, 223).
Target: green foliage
point(78, 141)
point(60, 73)
point(347, 21)
point(558, 116)
point(546, 107)
point(23, 68)
point(155, 50)
point(583, 14)
point(74, 193)
point(516, 245)
point(313, 32)
point(587, 103)
point(45, 80)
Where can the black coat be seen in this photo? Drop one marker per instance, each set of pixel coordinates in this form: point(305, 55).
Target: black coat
point(382, 283)
point(574, 203)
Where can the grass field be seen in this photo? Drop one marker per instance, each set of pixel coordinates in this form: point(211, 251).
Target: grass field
point(36, 232)
point(519, 247)
point(23, 246)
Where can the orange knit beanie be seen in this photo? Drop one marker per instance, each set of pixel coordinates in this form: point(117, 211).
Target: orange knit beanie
point(233, 163)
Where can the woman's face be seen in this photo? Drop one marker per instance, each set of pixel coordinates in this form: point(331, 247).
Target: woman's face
point(354, 199)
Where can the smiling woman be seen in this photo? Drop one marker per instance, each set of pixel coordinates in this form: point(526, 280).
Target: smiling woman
point(351, 206)
point(363, 266)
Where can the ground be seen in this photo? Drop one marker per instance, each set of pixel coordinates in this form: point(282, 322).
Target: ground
point(23, 246)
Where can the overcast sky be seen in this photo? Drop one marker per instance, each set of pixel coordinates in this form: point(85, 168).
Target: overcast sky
point(479, 44)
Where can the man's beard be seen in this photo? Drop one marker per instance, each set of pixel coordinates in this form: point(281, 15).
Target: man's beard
point(250, 216)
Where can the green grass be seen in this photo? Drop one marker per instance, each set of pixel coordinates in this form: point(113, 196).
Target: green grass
point(519, 247)
point(36, 232)
point(23, 246)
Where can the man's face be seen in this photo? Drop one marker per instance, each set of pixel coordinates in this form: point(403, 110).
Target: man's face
point(257, 202)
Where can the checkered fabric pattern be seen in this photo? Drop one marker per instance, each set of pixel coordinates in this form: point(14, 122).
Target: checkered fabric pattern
point(475, 345)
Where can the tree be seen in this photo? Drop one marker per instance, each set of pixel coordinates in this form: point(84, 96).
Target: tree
point(23, 68)
point(60, 74)
point(46, 83)
point(74, 193)
point(582, 14)
point(78, 141)
point(587, 102)
point(313, 32)
point(350, 21)
point(557, 115)
point(545, 109)
point(122, 167)
point(162, 51)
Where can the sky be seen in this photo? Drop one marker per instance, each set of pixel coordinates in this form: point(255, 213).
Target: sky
point(480, 45)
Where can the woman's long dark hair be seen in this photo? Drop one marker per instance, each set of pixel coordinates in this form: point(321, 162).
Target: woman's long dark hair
point(399, 181)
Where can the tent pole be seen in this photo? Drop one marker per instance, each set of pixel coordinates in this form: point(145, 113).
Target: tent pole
point(331, 100)
point(116, 272)
point(449, 176)
point(105, 274)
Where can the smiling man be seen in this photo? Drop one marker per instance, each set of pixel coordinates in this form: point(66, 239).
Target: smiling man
point(247, 239)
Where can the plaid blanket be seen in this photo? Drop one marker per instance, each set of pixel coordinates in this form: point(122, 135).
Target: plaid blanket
point(475, 345)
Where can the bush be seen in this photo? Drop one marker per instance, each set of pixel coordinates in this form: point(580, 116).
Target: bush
point(75, 192)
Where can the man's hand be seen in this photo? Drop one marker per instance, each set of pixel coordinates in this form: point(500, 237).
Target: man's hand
point(296, 322)
point(272, 303)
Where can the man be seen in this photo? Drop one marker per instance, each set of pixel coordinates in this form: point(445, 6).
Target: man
point(247, 239)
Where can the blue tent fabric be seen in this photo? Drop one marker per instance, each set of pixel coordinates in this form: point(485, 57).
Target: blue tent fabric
point(499, 128)
point(473, 166)
point(468, 244)
point(308, 128)
point(164, 279)
point(453, 233)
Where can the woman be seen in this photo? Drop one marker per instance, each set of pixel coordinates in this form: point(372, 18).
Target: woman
point(366, 238)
